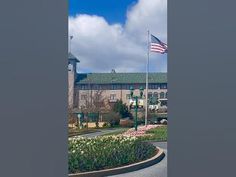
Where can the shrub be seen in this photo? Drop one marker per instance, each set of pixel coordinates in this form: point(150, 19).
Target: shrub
point(97, 124)
point(105, 124)
point(121, 108)
point(89, 154)
point(112, 118)
point(126, 123)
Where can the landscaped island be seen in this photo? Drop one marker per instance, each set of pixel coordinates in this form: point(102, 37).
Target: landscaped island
point(114, 149)
point(90, 154)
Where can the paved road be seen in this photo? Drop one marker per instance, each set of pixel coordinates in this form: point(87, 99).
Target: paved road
point(157, 170)
point(102, 132)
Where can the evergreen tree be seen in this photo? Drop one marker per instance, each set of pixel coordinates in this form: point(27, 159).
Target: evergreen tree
point(121, 108)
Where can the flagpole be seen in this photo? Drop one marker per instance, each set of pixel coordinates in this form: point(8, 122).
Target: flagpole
point(147, 71)
point(70, 43)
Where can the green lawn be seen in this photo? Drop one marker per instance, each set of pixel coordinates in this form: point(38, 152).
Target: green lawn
point(157, 134)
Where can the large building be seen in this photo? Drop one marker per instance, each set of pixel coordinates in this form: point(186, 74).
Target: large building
point(114, 86)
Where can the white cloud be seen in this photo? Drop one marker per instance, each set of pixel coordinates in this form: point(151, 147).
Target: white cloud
point(101, 46)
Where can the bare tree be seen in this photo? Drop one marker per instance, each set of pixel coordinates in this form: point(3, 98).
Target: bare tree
point(94, 102)
point(71, 117)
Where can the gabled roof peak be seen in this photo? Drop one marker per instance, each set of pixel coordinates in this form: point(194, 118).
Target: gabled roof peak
point(72, 57)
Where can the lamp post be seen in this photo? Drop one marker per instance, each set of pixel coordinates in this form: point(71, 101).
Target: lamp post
point(80, 116)
point(136, 104)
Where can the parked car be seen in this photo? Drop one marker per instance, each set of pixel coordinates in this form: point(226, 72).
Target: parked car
point(163, 121)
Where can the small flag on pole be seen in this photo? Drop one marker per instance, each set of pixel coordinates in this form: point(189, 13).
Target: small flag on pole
point(157, 45)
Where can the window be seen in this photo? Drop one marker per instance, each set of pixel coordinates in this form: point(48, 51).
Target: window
point(144, 86)
point(84, 87)
point(104, 87)
point(113, 87)
point(137, 86)
point(83, 97)
point(149, 94)
point(162, 95)
point(153, 86)
point(129, 87)
point(95, 87)
point(125, 86)
point(155, 95)
point(113, 97)
point(127, 96)
point(166, 94)
point(157, 86)
point(163, 86)
point(99, 87)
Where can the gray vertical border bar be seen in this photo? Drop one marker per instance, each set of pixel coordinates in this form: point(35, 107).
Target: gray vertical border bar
point(33, 80)
point(201, 88)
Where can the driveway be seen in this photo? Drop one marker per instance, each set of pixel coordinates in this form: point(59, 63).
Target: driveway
point(157, 170)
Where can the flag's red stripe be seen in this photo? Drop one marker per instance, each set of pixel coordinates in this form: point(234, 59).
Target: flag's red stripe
point(157, 47)
point(160, 51)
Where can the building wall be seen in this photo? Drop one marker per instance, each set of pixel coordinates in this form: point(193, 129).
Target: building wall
point(83, 95)
point(72, 76)
point(71, 80)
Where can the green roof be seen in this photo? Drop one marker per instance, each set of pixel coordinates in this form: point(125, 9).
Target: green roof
point(120, 78)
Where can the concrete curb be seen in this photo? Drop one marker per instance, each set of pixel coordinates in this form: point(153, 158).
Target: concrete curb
point(124, 169)
point(78, 134)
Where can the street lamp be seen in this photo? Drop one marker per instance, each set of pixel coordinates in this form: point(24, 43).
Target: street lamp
point(80, 116)
point(136, 104)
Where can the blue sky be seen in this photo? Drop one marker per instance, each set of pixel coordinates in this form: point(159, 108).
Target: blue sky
point(112, 34)
point(112, 10)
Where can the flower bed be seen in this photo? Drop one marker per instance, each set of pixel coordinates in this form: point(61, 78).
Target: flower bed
point(89, 154)
point(140, 132)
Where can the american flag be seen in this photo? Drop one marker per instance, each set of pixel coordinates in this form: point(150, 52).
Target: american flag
point(157, 45)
